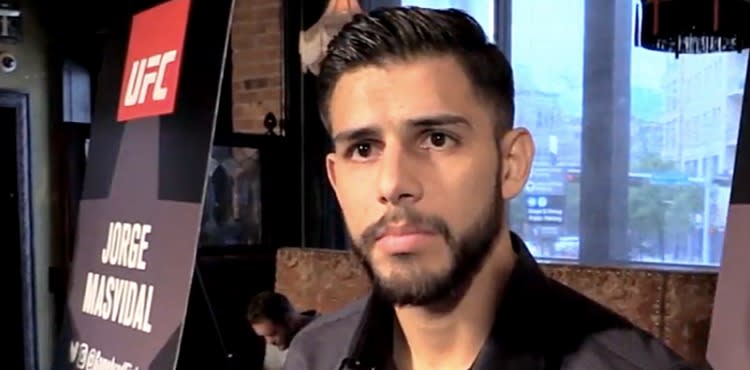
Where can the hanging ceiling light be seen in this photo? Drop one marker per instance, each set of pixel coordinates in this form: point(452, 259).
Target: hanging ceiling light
point(313, 43)
point(693, 26)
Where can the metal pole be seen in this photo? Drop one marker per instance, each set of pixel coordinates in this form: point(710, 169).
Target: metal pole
point(707, 182)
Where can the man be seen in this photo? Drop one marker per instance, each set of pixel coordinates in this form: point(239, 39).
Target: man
point(273, 317)
point(420, 108)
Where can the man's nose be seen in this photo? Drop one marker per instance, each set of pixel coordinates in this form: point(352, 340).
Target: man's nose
point(398, 181)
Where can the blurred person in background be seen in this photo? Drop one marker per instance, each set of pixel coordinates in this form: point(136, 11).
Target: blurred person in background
point(273, 317)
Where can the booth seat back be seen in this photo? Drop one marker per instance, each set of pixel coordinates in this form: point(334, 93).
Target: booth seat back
point(674, 306)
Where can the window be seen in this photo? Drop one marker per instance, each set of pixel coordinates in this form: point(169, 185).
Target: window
point(232, 205)
point(648, 198)
point(647, 210)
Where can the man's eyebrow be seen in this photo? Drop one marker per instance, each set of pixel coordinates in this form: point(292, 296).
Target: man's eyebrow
point(427, 121)
point(357, 134)
point(438, 120)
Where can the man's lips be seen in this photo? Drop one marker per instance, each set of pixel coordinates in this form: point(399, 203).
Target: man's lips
point(402, 231)
point(402, 239)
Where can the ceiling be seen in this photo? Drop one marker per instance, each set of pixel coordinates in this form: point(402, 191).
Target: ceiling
point(78, 28)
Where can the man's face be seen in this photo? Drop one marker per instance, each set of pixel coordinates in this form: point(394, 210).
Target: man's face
point(421, 174)
point(274, 334)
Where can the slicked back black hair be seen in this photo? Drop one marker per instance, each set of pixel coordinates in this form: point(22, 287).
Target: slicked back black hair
point(407, 33)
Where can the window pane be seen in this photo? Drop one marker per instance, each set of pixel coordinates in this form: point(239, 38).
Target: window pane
point(549, 92)
point(482, 10)
point(684, 125)
point(682, 116)
point(232, 208)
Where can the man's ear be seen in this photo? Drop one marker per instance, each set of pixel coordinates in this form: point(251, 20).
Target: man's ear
point(517, 150)
point(331, 170)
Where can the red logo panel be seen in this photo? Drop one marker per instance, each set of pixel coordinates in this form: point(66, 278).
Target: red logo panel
point(152, 64)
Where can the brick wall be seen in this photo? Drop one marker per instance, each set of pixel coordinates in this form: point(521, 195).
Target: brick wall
point(257, 63)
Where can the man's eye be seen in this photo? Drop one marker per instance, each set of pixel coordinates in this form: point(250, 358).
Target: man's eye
point(437, 140)
point(361, 151)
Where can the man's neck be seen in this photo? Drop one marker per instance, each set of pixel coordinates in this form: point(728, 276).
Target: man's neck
point(299, 320)
point(425, 338)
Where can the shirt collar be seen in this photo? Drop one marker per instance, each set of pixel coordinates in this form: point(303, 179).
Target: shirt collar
point(514, 341)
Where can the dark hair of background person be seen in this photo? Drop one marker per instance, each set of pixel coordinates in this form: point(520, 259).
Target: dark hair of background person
point(271, 306)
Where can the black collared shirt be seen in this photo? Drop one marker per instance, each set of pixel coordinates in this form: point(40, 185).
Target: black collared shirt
point(540, 324)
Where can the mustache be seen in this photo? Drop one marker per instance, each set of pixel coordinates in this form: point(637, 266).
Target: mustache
point(411, 218)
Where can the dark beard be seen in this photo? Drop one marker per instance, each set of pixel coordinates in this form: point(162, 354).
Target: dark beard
point(468, 252)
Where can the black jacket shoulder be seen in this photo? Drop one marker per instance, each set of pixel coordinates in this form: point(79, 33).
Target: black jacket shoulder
point(576, 334)
point(540, 324)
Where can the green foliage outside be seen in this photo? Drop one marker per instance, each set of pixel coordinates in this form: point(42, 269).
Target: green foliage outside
point(658, 213)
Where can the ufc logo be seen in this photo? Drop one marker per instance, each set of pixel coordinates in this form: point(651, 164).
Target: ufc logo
point(150, 79)
point(148, 73)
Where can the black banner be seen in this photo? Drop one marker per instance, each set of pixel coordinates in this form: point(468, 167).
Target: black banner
point(139, 219)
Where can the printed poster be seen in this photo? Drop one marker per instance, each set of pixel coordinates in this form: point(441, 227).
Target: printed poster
point(139, 218)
